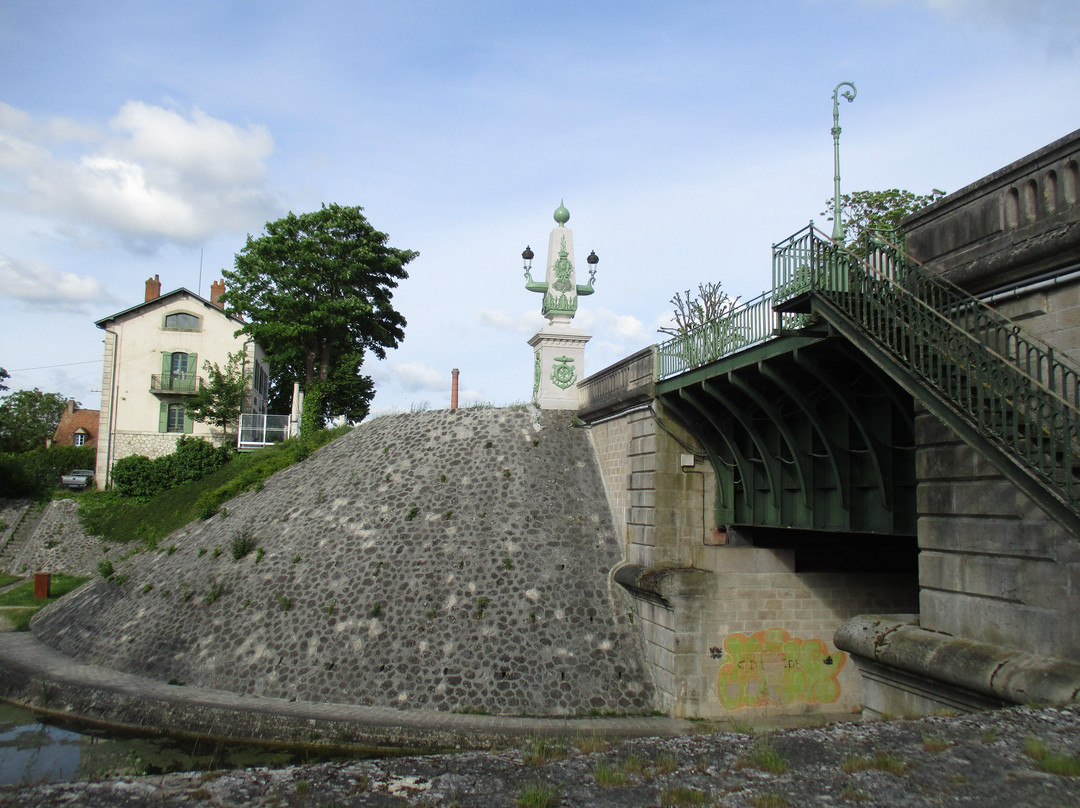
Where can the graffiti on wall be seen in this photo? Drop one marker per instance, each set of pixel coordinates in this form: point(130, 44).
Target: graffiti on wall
point(770, 667)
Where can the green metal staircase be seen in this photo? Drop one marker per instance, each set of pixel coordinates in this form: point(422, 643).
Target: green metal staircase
point(1006, 393)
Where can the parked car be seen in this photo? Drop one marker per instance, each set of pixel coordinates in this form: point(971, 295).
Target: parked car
point(79, 478)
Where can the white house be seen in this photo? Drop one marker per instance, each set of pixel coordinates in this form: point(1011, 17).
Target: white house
point(153, 363)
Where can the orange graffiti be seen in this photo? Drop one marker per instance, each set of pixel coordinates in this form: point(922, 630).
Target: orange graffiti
point(772, 667)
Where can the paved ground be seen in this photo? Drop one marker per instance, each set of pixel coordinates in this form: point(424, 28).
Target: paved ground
point(979, 760)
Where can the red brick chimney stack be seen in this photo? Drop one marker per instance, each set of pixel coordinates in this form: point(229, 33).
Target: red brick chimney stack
point(453, 390)
point(153, 288)
point(217, 289)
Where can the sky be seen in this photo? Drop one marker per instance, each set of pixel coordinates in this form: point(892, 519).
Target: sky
point(685, 138)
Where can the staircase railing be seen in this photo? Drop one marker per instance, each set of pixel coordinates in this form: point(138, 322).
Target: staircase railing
point(1008, 387)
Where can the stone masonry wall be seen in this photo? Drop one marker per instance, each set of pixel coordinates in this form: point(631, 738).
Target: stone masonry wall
point(993, 567)
point(440, 560)
point(726, 628)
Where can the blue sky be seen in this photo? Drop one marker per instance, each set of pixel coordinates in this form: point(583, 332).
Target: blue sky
point(685, 139)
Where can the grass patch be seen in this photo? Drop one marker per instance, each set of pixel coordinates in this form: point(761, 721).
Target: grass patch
point(591, 743)
point(881, 760)
point(1051, 762)
point(25, 605)
point(540, 750)
point(666, 763)
point(682, 795)
point(764, 757)
point(850, 792)
point(538, 794)
point(935, 743)
point(59, 585)
point(607, 776)
point(769, 801)
point(7, 580)
point(116, 518)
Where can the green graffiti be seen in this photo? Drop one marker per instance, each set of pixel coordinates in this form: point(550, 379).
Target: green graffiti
point(772, 667)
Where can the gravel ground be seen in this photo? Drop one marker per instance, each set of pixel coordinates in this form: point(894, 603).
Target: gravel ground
point(974, 760)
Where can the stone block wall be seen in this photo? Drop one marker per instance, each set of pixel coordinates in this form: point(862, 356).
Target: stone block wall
point(993, 567)
point(726, 629)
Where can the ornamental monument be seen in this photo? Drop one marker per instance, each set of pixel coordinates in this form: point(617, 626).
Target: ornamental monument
point(558, 347)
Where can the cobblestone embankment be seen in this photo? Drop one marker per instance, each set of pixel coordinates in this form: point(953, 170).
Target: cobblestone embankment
point(980, 760)
point(449, 561)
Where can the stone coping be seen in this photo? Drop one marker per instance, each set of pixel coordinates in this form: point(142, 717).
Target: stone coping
point(997, 671)
point(35, 676)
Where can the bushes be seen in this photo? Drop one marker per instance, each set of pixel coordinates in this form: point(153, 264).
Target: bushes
point(36, 472)
point(139, 476)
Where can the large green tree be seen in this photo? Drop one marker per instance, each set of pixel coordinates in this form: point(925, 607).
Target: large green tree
point(863, 212)
point(316, 292)
point(28, 418)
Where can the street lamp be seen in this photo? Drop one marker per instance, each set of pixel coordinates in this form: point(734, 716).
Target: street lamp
point(838, 229)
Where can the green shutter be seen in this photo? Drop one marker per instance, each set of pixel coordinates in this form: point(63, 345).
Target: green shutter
point(189, 424)
point(192, 374)
point(163, 417)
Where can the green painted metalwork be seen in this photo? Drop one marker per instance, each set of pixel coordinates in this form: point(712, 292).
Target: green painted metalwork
point(750, 324)
point(1007, 392)
point(838, 226)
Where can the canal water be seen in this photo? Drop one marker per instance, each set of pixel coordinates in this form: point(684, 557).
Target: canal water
point(36, 750)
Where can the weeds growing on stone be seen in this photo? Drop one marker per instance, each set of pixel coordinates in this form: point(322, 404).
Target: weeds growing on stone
point(302, 787)
point(202, 552)
point(481, 605)
point(881, 760)
point(506, 473)
point(329, 608)
point(632, 764)
point(217, 552)
point(242, 544)
point(214, 592)
point(935, 743)
point(296, 559)
point(540, 750)
point(172, 549)
point(1051, 762)
point(682, 795)
point(508, 563)
point(592, 743)
point(376, 610)
point(850, 792)
point(284, 603)
point(412, 513)
point(608, 777)
point(764, 757)
point(147, 588)
point(666, 763)
point(105, 568)
point(538, 794)
point(259, 555)
point(769, 801)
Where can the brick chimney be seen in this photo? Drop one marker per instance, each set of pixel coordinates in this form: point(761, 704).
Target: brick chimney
point(153, 288)
point(217, 289)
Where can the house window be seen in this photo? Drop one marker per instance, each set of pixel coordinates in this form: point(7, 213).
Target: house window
point(183, 321)
point(79, 438)
point(179, 365)
point(174, 422)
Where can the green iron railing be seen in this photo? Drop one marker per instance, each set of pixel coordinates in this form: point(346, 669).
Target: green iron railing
point(748, 324)
point(1010, 386)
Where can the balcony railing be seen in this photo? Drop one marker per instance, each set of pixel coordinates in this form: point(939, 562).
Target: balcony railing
point(176, 384)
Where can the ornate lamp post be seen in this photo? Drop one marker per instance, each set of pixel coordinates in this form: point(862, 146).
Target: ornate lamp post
point(838, 228)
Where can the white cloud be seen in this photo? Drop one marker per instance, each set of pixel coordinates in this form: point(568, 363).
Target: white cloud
point(36, 284)
point(527, 322)
point(159, 176)
point(414, 377)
